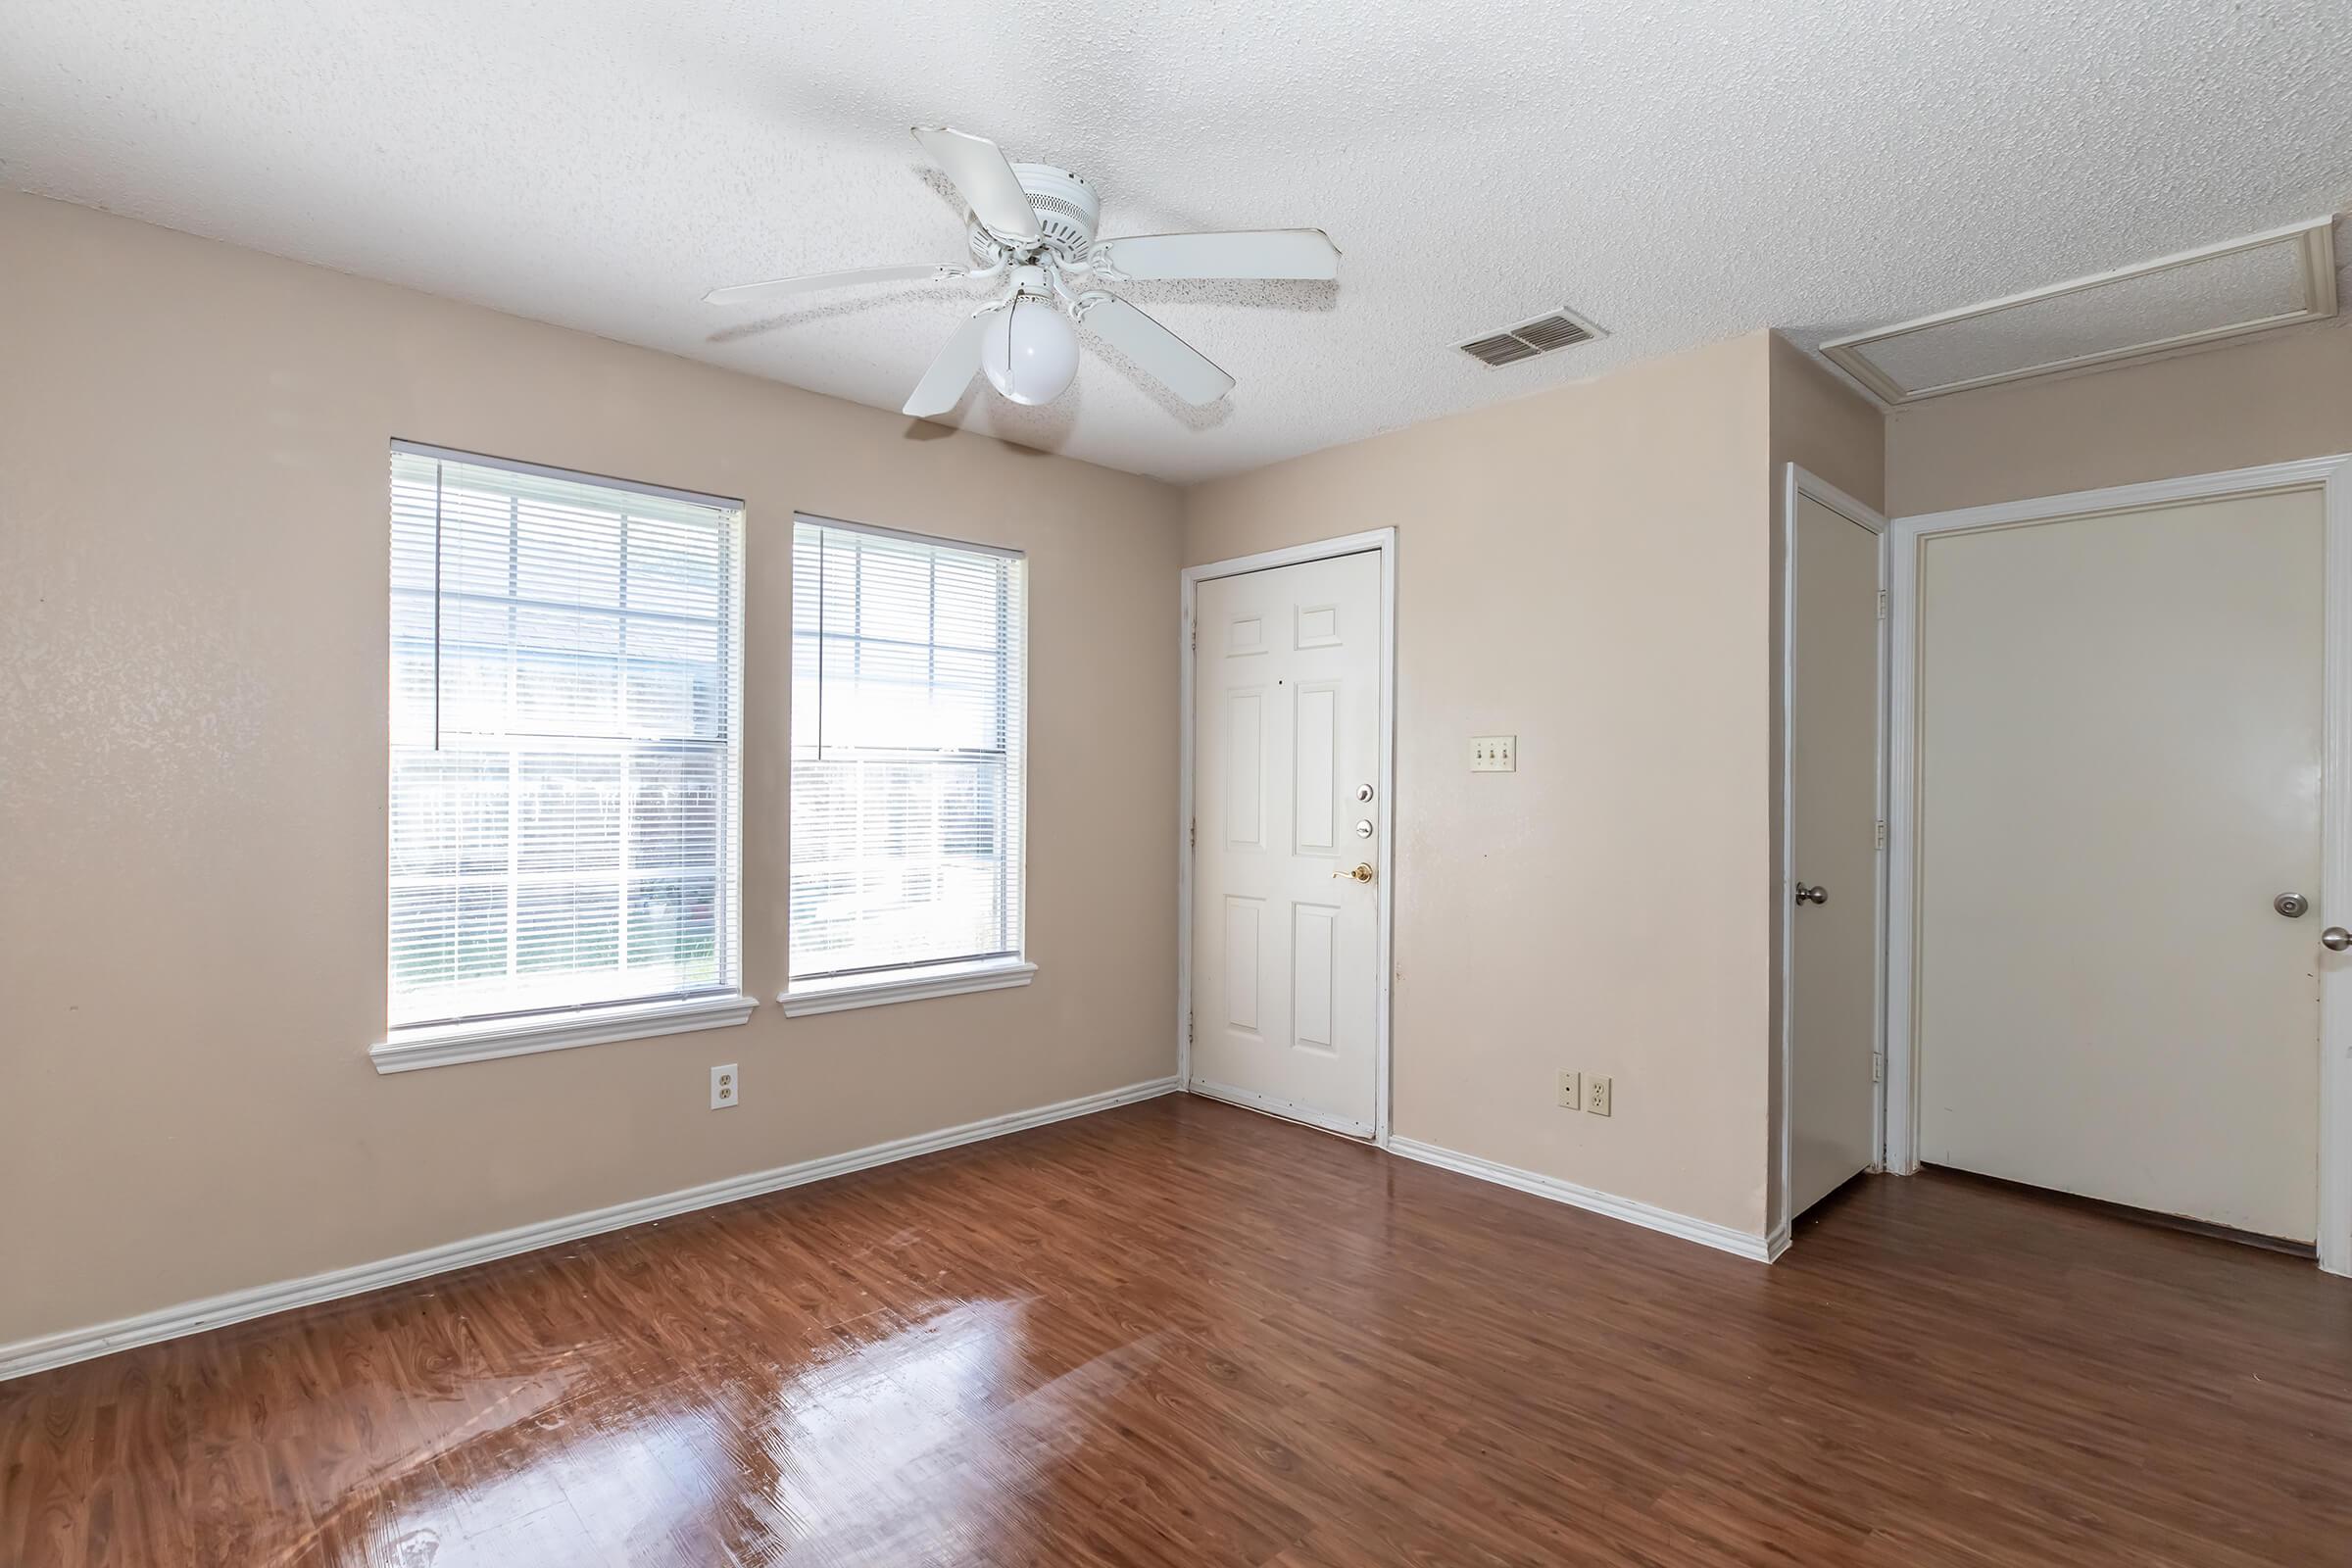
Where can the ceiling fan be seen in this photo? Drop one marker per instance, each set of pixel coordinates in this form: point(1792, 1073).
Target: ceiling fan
point(1033, 226)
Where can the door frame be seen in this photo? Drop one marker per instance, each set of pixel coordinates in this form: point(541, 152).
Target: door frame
point(2332, 477)
point(1798, 483)
point(1383, 540)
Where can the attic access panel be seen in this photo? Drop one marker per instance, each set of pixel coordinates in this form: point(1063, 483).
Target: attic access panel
point(2245, 285)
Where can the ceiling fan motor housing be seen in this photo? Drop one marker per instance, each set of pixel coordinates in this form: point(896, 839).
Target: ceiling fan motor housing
point(1067, 211)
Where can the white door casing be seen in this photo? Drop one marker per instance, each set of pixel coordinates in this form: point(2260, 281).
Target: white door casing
point(1908, 536)
point(1286, 963)
point(1834, 702)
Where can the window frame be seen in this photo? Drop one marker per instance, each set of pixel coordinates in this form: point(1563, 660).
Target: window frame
point(561, 1026)
point(939, 977)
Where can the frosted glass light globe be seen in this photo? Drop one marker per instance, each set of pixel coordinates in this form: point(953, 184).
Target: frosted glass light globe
point(1030, 351)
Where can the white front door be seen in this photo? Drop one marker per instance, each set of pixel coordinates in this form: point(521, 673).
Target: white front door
point(2120, 731)
point(1834, 860)
point(1286, 813)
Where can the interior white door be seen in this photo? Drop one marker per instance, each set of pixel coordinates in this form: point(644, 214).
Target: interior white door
point(1285, 806)
point(1835, 703)
point(2120, 752)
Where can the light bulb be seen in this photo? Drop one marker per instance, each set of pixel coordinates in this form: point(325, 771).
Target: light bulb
point(1030, 351)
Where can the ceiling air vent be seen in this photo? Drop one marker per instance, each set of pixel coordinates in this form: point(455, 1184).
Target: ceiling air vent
point(1557, 330)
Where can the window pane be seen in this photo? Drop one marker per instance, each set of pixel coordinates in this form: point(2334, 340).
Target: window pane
point(907, 752)
point(564, 763)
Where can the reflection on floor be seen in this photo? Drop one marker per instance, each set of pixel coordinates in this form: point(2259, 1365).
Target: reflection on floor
point(1184, 1334)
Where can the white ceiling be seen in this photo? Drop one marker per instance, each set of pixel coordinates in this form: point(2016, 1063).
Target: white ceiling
point(1680, 171)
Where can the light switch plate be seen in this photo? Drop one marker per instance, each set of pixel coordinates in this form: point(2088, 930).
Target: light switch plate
point(1493, 753)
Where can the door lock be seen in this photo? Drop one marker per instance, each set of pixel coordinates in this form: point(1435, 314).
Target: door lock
point(2294, 905)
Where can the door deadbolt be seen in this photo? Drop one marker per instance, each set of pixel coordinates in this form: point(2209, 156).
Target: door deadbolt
point(1363, 828)
point(2294, 905)
point(1363, 792)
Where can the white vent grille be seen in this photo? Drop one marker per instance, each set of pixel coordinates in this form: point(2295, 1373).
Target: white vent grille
point(2243, 285)
point(1557, 330)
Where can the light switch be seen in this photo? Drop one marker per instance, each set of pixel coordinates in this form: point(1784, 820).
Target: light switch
point(1493, 753)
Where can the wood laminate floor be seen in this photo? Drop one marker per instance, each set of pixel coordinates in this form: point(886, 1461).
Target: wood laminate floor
point(1182, 1333)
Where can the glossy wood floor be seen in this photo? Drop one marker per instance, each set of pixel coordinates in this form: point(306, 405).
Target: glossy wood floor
point(1184, 1334)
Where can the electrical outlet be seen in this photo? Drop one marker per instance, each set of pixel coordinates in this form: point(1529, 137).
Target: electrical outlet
point(1572, 1091)
point(1596, 1096)
point(1493, 753)
point(726, 1085)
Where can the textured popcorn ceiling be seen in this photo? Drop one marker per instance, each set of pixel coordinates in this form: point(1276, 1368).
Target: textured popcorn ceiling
point(1680, 171)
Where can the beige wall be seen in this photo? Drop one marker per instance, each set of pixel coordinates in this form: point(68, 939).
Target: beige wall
point(2269, 398)
point(1587, 569)
point(192, 782)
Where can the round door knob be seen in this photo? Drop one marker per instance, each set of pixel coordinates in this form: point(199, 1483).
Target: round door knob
point(1812, 895)
point(2336, 939)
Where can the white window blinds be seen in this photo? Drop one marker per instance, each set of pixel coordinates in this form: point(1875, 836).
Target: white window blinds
point(566, 715)
point(907, 709)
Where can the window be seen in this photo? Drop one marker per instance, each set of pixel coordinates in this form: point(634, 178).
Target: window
point(907, 709)
point(566, 722)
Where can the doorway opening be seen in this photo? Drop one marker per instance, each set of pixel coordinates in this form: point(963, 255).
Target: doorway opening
point(2120, 847)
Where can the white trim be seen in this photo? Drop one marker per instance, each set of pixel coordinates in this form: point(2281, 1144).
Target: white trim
point(903, 985)
point(444, 1045)
point(1801, 482)
point(1724, 1239)
point(936, 541)
point(541, 470)
point(1271, 1105)
point(2315, 256)
point(1383, 540)
point(194, 1318)
point(2332, 475)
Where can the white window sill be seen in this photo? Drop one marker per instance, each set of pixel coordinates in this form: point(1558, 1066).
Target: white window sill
point(442, 1044)
point(903, 985)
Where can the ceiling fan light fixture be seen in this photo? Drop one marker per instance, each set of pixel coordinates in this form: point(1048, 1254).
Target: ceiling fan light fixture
point(1033, 231)
point(1030, 352)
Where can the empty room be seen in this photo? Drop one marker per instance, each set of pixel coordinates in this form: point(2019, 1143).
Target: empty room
point(1193, 786)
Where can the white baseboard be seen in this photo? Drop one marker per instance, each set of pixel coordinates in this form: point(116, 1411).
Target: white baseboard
point(193, 1317)
point(1704, 1232)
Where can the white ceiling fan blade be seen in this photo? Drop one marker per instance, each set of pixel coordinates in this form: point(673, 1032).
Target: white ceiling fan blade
point(742, 293)
point(985, 181)
point(1168, 359)
point(1256, 253)
point(952, 371)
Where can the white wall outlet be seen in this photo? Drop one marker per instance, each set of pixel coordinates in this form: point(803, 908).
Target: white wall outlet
point(725, 1086)
point(1596, 1096)
point(1493, 753)
point(1572, 1091)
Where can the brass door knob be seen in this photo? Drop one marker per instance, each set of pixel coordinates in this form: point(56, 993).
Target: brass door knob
point(1362, 873)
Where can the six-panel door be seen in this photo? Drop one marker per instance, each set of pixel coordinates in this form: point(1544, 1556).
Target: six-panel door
point(1286, 807)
